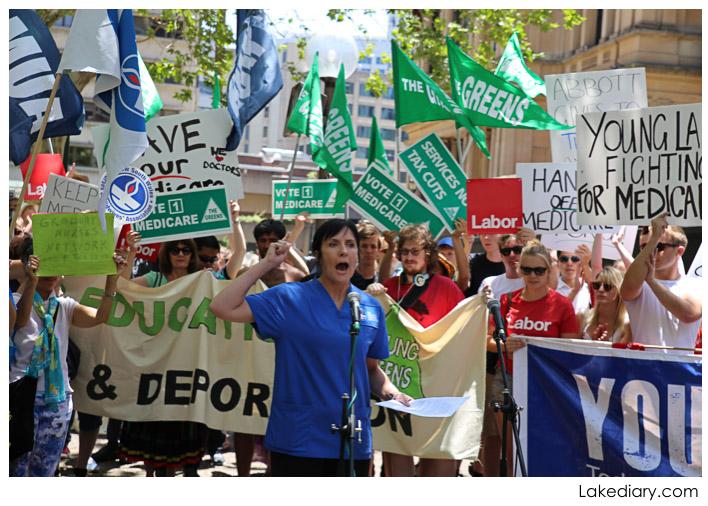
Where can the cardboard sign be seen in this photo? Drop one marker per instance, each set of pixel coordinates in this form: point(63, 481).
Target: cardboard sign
point(390, 206)
point(73, 244)
point(584, 92)
point(696, 270)
point(570, 241)
point(635, 165)
point(494, 206)
point(66, 195)
point(45, 165)
point(439, 177)
point(186, 151)
point(550, 199)
point(316, 197)
point(186, 214)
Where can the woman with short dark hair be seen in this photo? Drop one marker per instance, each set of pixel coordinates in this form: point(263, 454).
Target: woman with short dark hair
point(309, 324)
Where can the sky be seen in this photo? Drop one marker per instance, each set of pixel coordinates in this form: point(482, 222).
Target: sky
point(377, 24)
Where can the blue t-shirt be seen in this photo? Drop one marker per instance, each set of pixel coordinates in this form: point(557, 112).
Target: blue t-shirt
point(312, 346)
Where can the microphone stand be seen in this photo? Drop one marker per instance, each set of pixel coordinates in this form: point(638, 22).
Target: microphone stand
point(350, 427)
point(509, 409)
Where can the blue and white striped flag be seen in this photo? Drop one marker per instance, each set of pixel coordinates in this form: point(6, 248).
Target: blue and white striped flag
point(103, 42)
point(255, 78)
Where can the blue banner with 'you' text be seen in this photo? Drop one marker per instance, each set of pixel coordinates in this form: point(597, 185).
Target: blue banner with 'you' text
point(598, 411)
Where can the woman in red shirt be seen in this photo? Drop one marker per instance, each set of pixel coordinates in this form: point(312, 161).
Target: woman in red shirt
point(417, 251)
point(536, 310)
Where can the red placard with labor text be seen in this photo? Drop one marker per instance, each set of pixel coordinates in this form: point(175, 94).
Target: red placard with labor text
point(494, 206)
point(145, 251)
point(46, 164)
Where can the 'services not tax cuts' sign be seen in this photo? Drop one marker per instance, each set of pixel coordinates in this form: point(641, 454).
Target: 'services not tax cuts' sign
point(315, 197)
point(186, 214)
point(584, 92)
point(634, 165)
point(390, 206)
point(439, 177)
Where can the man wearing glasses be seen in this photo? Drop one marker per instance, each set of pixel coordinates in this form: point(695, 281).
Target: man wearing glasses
point(664, 306)
point(510, 246)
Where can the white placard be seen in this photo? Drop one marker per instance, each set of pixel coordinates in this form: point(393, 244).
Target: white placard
point(583, 92)
point(568, 242)
point(634, 165)
point(66, 195)
point(696, 270)
point(186, 151)
point(550, 200)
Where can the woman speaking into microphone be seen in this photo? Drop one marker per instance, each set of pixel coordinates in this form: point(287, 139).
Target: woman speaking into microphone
point(309, 324)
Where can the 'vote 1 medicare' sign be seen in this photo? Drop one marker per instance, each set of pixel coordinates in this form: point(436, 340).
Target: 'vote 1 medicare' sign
point(315, 197)
point(186, 214)
point(439, 177)
point(391, 207)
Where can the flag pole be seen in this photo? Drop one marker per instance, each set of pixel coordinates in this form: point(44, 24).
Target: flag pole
point(290, 177)
point(35, 152)
point(458, 139)
point(398, 150)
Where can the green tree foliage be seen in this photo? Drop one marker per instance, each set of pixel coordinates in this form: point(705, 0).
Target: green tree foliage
point(479, 32)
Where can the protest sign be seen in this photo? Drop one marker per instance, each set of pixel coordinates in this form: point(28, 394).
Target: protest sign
point(570, 241)
point(186, 214)
point(591, 410)
point(445, 359)
point(66, 195)
point(130, 195)
point(634, 165)
point(73, 244)
point(696, 270)
point(582, 92)
point(163, 355)
point(494, 205)
point(550, 200)
point(316, 197)
point(45, 165)
point(439, 177)
point(390, 206)
point(187, 151)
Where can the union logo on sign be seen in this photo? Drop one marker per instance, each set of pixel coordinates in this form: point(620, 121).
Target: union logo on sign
point(130, 195)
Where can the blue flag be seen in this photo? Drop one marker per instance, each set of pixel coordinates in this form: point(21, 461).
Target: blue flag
point(34, 59)
point(255, 78)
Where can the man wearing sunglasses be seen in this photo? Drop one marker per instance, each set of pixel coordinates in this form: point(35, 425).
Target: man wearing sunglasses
point(664, 306)
point(510, 246)
point(570, 284)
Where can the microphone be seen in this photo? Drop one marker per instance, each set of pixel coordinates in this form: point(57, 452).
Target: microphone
point(354, 299)
point(495, 309)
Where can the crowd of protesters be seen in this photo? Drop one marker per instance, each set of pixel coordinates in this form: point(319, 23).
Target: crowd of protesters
point(646, 300)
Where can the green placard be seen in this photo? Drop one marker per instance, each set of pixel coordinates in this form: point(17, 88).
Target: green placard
point(439, 177)
point(186, 214)
point(69, 244)
point(316, 197)
point(390, 206)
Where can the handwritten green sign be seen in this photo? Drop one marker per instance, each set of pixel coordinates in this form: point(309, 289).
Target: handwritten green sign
point(69, 244)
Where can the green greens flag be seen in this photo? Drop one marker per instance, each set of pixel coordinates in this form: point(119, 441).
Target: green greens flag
point(216, 92)
point(512, 67)
point(306, 117)
point(339, 141)
point(419, 99)
point(489, 100)
point(377, 153)
point(152, 103)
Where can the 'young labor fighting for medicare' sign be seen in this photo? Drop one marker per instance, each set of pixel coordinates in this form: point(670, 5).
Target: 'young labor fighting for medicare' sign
point(634, 165)
point(439, 177)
